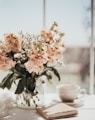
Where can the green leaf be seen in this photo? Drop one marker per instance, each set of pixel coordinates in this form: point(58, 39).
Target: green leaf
point(12, 79)
point(55, 72)
point(49, 76)
point(6, 81)
point(24, 60)
point(6, 77)
point(20, 69)
point(30, 84)
point(20, 86)
point(52, 69)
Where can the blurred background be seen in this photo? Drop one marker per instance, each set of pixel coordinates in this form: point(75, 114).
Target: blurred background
point(74, 17)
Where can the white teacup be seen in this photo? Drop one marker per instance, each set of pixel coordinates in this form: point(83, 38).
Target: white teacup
point(70, 92)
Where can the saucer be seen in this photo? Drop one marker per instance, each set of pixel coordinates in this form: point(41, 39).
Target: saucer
point(76, 103)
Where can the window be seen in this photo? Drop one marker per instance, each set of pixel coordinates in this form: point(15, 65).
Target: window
point(74, 17)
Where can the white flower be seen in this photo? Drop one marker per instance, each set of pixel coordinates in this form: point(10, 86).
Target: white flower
point(17, 55)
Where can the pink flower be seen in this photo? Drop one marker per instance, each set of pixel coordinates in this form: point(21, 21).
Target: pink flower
point(12, 43)
point(31, 66)
point(5, 62)
point(38, 57)
point(2, 46)
point(36, 61)
point(46, 35)
point(55, 51)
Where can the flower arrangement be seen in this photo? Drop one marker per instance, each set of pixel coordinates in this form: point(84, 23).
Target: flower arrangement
point(28, 57)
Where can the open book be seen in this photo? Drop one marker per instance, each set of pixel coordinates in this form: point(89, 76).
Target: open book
point(58, 110)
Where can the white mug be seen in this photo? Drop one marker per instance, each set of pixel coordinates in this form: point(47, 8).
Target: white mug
point(70, 92)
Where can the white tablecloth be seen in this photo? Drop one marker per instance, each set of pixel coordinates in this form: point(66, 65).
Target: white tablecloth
point(85, 112)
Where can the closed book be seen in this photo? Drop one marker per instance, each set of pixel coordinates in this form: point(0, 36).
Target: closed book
point(58, 110)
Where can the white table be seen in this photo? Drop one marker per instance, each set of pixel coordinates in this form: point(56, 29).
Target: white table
point(85, 112)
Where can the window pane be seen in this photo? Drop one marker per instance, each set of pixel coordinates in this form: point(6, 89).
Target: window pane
point(75, 70)
point(17, 15)
point(72, 17)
